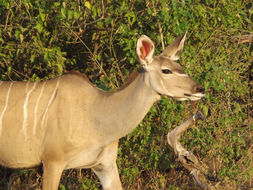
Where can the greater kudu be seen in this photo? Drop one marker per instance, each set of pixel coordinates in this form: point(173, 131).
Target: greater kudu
point(67, 122)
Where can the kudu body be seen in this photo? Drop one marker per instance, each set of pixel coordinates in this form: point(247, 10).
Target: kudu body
point(67, 122)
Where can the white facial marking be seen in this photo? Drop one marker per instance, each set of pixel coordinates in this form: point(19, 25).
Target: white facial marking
point(25, 108)
point(36, 107)
point(200, 95)
point(182, 99)
point(180, 75)
point(163, 68)
point(193, 98)
point(196, 96)
point(49, 103)
point(5, 106)
point(166, 57)
point(166, 91)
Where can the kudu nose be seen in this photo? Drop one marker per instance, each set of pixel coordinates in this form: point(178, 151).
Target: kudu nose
point(199, 89)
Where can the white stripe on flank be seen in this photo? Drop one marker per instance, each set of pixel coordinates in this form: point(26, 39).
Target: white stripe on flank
point(25, 108)
point(5, 107)
point(49, 103)
point(26, 86)
point(36, 106)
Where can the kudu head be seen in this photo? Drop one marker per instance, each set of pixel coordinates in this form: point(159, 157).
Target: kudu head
point(166, 76)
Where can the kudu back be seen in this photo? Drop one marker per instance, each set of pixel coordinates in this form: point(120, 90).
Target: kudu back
point(67, 122)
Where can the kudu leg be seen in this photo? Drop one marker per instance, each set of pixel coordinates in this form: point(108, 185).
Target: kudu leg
point(108, 176)
point(52, 172)
point(188, 160)
point(107, 170)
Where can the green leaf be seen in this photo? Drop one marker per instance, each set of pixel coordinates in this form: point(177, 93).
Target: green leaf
point(62, 187)
point(32, 58)
point(205, 110)
point(42, 16)
point(76, 15)
point(87, 4)
point(70, 14)
point(39, 27)
point(21, 37)
point(63, 12)
point(17, 33)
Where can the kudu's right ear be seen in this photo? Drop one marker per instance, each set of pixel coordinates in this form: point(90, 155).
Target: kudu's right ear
point(175, 49)
point(145, 51)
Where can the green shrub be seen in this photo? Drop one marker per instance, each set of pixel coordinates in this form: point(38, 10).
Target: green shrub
point(42, 39)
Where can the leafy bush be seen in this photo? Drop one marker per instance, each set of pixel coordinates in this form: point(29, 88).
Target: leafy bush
point(42, 39)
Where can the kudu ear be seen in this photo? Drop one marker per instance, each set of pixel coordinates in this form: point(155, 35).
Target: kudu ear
point(145, 51)
point(175, 49)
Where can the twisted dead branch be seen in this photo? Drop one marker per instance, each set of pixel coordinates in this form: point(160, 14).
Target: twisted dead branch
point(244, 38)
point(187, 158)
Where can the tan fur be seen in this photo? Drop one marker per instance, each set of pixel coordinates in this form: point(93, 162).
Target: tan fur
point(67, 122)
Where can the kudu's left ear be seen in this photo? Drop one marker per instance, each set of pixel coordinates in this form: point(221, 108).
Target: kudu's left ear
point(175, 49)
point(145, 51)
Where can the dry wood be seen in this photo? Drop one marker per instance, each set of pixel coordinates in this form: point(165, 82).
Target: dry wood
point(187, 158)
point(245, 38)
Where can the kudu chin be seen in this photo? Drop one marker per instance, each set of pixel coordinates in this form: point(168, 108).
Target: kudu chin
point(67, 122)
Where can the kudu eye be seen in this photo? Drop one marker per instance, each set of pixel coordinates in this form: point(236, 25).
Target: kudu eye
point(166, 71)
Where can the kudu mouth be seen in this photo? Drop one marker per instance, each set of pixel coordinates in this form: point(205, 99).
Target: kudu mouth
point(199, 92)
point(193, 97)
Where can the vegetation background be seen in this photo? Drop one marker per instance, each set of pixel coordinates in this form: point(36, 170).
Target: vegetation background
point(42, 39)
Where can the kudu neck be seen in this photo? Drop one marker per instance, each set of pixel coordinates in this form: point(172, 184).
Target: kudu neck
point(124, 110)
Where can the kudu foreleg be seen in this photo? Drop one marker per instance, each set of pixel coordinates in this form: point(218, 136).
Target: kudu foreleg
point(52, 172)
point(108, 176)
point(107, 170)
point(188, 160)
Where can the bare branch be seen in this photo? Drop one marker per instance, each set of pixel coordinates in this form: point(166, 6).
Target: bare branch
point(245, 39)
point(188, 159)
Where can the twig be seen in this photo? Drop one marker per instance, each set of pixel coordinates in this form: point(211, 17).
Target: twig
point(188, 159)
point(245, 38)
point(92, 55)
point(7, 17)
point(160, 27)
point(102, 16)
